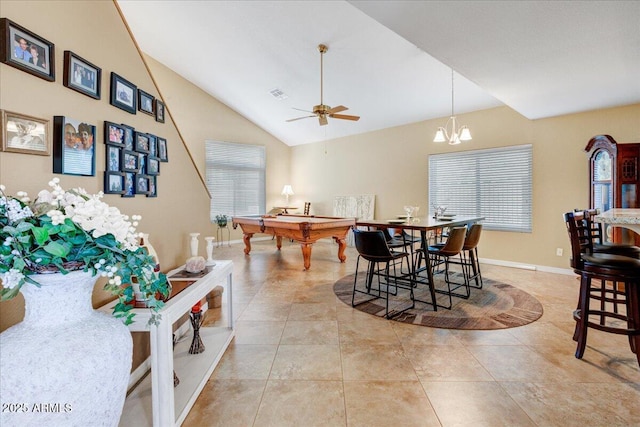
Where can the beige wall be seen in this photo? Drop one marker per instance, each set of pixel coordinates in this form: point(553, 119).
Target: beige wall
point(392, 164)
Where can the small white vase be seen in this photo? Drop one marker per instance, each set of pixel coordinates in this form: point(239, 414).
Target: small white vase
point(210, 260)
point(194, 244)
point(65, 364)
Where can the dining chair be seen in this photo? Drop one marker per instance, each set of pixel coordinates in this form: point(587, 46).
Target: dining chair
point(603, 268)
point(307, 208)
point(382, 265)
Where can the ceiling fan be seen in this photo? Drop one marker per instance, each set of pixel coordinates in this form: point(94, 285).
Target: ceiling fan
point(322, 111)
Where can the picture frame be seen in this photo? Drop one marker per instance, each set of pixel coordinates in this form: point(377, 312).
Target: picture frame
point(141, 142)
point(129, 135)
point(74, 150)
point(142, 184)
point(142, 163)
point(153, 187)
point(153, 145)
point(159, 107)
point(130, 161)
point(163, 153)
point(24, 134)
point(113, 158)
point(153, 166)
point(129, 188)
point(114, 134)
point(81, 75)
point(27, 51)
point(146, 102)
point(113, 183)
point(123, 94)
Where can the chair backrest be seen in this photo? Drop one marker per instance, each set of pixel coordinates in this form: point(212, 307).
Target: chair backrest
point(595, 228)
point(579, 236)
point(455, 241)
point(307, 208)
point(473, 237)
point(372, 245)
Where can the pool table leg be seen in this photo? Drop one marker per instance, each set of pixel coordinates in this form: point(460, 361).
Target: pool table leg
point(306, 254)
point(342, 245)
point(279, 242)
point(246, 238)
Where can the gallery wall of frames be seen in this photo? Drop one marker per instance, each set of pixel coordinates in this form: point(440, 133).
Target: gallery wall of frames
point(133, 157)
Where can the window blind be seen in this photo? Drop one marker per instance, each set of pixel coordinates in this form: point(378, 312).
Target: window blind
point(235, 177)
point(494, 183)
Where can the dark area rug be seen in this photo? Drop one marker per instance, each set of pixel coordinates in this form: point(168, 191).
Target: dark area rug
point(496, 306)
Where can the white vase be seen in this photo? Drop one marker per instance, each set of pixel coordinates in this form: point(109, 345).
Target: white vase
point(194, 244)
point(210, 260)
point(65, 364)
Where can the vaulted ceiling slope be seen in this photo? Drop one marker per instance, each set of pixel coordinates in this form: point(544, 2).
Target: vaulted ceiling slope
point(390, 61)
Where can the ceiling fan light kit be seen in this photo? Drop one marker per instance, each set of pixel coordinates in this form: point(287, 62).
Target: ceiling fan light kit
point(455, 136)
point(322, 111)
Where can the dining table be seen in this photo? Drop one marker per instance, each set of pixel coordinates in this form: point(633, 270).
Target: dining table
point(423, 225)
point(621, 217)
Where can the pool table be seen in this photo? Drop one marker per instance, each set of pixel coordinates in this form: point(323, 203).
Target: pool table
point(304, 229)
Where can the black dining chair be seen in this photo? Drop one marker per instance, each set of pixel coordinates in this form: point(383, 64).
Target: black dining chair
point(382, 265)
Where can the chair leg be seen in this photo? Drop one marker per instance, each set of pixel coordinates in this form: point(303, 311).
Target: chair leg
point(583, 315)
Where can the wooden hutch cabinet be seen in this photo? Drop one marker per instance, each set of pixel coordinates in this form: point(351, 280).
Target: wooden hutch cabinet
point(614, 180)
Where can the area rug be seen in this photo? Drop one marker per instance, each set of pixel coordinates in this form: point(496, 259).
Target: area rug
point(496, 306)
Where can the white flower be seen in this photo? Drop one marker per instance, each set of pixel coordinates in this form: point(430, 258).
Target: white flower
point(11, 278)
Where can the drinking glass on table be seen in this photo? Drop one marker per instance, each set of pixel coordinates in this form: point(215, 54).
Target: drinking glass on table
point(408, 210)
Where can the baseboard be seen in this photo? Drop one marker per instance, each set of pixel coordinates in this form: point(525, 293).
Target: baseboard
point(531, 267)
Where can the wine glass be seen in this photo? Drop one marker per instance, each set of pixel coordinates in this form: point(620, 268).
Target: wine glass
point(415, 212)
point(408, 210)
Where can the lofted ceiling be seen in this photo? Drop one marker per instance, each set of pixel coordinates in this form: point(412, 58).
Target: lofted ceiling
point(390, 62)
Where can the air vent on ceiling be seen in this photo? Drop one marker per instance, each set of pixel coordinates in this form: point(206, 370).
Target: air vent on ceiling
point(278, 94)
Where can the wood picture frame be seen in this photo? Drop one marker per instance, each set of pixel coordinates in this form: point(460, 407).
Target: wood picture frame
point(146, 102)
point(123, 94)
point(113, 183)
point(27, 51)
point(81, 75)
point(114, 134)
point(129, 188)
point(163, 153)
point(24, 134)
point(74, 150)
point(113, 158)
point(159, 107)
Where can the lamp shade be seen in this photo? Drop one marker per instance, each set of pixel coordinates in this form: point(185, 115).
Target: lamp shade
point(287, 190)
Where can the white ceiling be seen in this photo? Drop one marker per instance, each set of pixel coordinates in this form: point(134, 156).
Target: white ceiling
point(390, 61)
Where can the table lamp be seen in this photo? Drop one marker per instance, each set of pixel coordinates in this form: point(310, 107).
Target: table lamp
point(287, 191)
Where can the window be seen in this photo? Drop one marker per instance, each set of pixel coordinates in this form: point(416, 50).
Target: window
point(494, 183)
point(235, 178)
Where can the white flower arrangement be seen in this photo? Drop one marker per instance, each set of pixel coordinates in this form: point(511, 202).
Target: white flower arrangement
point(72, 230)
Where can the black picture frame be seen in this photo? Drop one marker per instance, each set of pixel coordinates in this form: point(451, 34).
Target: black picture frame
point(153, 166)
point(114, 134)
point(142, 184)
point(113, 158)
point(141, 144)
point(113, 183)
point(130, 161)
point(163, 152)
point(153, 187)
point(153, 145)
point(129, 137)
point(74, 148)
point(142, 163)
point(159, 107)
point(20, 46)
point(146, 102)
point(123, 94)
point(129, 188)
point(81, 75)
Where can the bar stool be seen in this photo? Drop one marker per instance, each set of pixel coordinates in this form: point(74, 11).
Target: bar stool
point(470, 255)
point(603, 267)
point(600, 245)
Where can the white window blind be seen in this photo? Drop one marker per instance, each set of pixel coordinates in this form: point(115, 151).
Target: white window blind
point(235, 178)
point(494, 183)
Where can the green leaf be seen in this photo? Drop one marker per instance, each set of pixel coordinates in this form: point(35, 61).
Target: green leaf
point(57, 249)
point(41, 235)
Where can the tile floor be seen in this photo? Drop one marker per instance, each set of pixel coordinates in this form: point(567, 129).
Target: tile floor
point(303, 358)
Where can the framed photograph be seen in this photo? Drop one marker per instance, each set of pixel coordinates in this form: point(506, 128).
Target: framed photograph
point(24, 134)
point(26, 51)
point(129, 189)
point(142, 163)
point(153, 145)
point(113, 183)
point(153, 187)
point(145, 102)
point(159, 111)
point(74, 151)
point(163, 154)
point(81, 75)
point(130, 161)
point(128, 137)
point(113, 134)
point(141, 142)
point(113, 158)
point(123, 94)
point(142, 184)
point(153, 166)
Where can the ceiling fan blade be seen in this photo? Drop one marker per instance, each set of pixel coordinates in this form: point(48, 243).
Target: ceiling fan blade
point(344, 117)
point(300, 109)
point(337, 109)
point(300, 118)
point(323, 120)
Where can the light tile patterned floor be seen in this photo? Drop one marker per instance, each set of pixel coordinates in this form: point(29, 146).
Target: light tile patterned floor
point(303, 358)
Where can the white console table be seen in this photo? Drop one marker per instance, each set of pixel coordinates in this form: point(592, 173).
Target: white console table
point(154, 401)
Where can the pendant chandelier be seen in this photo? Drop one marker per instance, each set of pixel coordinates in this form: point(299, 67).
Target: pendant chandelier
point(453, 136)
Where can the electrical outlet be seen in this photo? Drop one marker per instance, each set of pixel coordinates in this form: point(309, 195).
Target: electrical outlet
point(559, 251)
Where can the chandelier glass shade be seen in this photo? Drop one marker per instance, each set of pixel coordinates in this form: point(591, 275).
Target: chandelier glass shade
point(452, 135)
